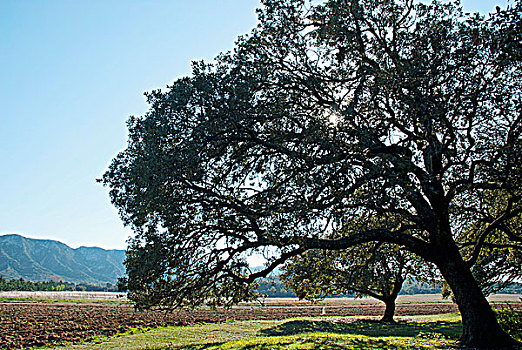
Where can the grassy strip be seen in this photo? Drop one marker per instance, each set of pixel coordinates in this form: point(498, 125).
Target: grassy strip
point(326, 341)
point(423, 332)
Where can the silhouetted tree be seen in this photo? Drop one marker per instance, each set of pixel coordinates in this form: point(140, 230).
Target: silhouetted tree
point(325, 112)
point(372, 269)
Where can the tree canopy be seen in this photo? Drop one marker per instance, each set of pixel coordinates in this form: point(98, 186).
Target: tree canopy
point(325, 112)
point(372, 269)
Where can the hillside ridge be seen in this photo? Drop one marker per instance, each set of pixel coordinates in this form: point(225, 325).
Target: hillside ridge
point(45, 259)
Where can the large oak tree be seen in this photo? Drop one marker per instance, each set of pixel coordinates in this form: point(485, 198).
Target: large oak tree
point(325, 112)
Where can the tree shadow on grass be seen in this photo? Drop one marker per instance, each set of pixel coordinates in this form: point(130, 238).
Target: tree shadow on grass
point(310, 343)
point(296, 334)
point(322, 343)
point(365, 327)
point(194, 346)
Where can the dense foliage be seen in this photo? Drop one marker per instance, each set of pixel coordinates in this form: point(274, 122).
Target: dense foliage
point(372, 269)
point(511, 322)
point(347, 108)
point(273, 287)
point(23, 285)
point(497, 269)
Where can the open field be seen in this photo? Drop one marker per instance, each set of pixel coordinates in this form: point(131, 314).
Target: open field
point(35, 324)
point(30, 324)
point(122, 297)
point(355, 333)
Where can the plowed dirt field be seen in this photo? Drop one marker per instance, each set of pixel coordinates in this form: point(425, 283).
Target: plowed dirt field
point(24, 325)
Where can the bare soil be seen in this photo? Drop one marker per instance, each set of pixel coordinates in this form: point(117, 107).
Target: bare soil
point(25, 325)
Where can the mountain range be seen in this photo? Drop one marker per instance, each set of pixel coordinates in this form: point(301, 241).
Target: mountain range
point(44, 260)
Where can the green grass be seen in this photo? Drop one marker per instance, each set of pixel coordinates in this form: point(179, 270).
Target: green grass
point(323, 341)
point(424, 332)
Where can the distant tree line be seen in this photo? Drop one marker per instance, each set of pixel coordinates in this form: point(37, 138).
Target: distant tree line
point(273, 287)
point(23, 285)
point(513, 288)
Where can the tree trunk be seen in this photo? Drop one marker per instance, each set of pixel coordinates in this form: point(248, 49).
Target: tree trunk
point(389, 311)
point(480, 327)
point(389, 300)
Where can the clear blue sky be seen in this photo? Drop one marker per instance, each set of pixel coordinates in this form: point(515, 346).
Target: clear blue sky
point(71, 72)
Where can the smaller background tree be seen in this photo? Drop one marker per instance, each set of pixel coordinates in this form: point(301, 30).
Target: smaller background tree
point(374, 269)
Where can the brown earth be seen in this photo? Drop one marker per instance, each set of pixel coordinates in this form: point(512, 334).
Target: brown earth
point(24, 325)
